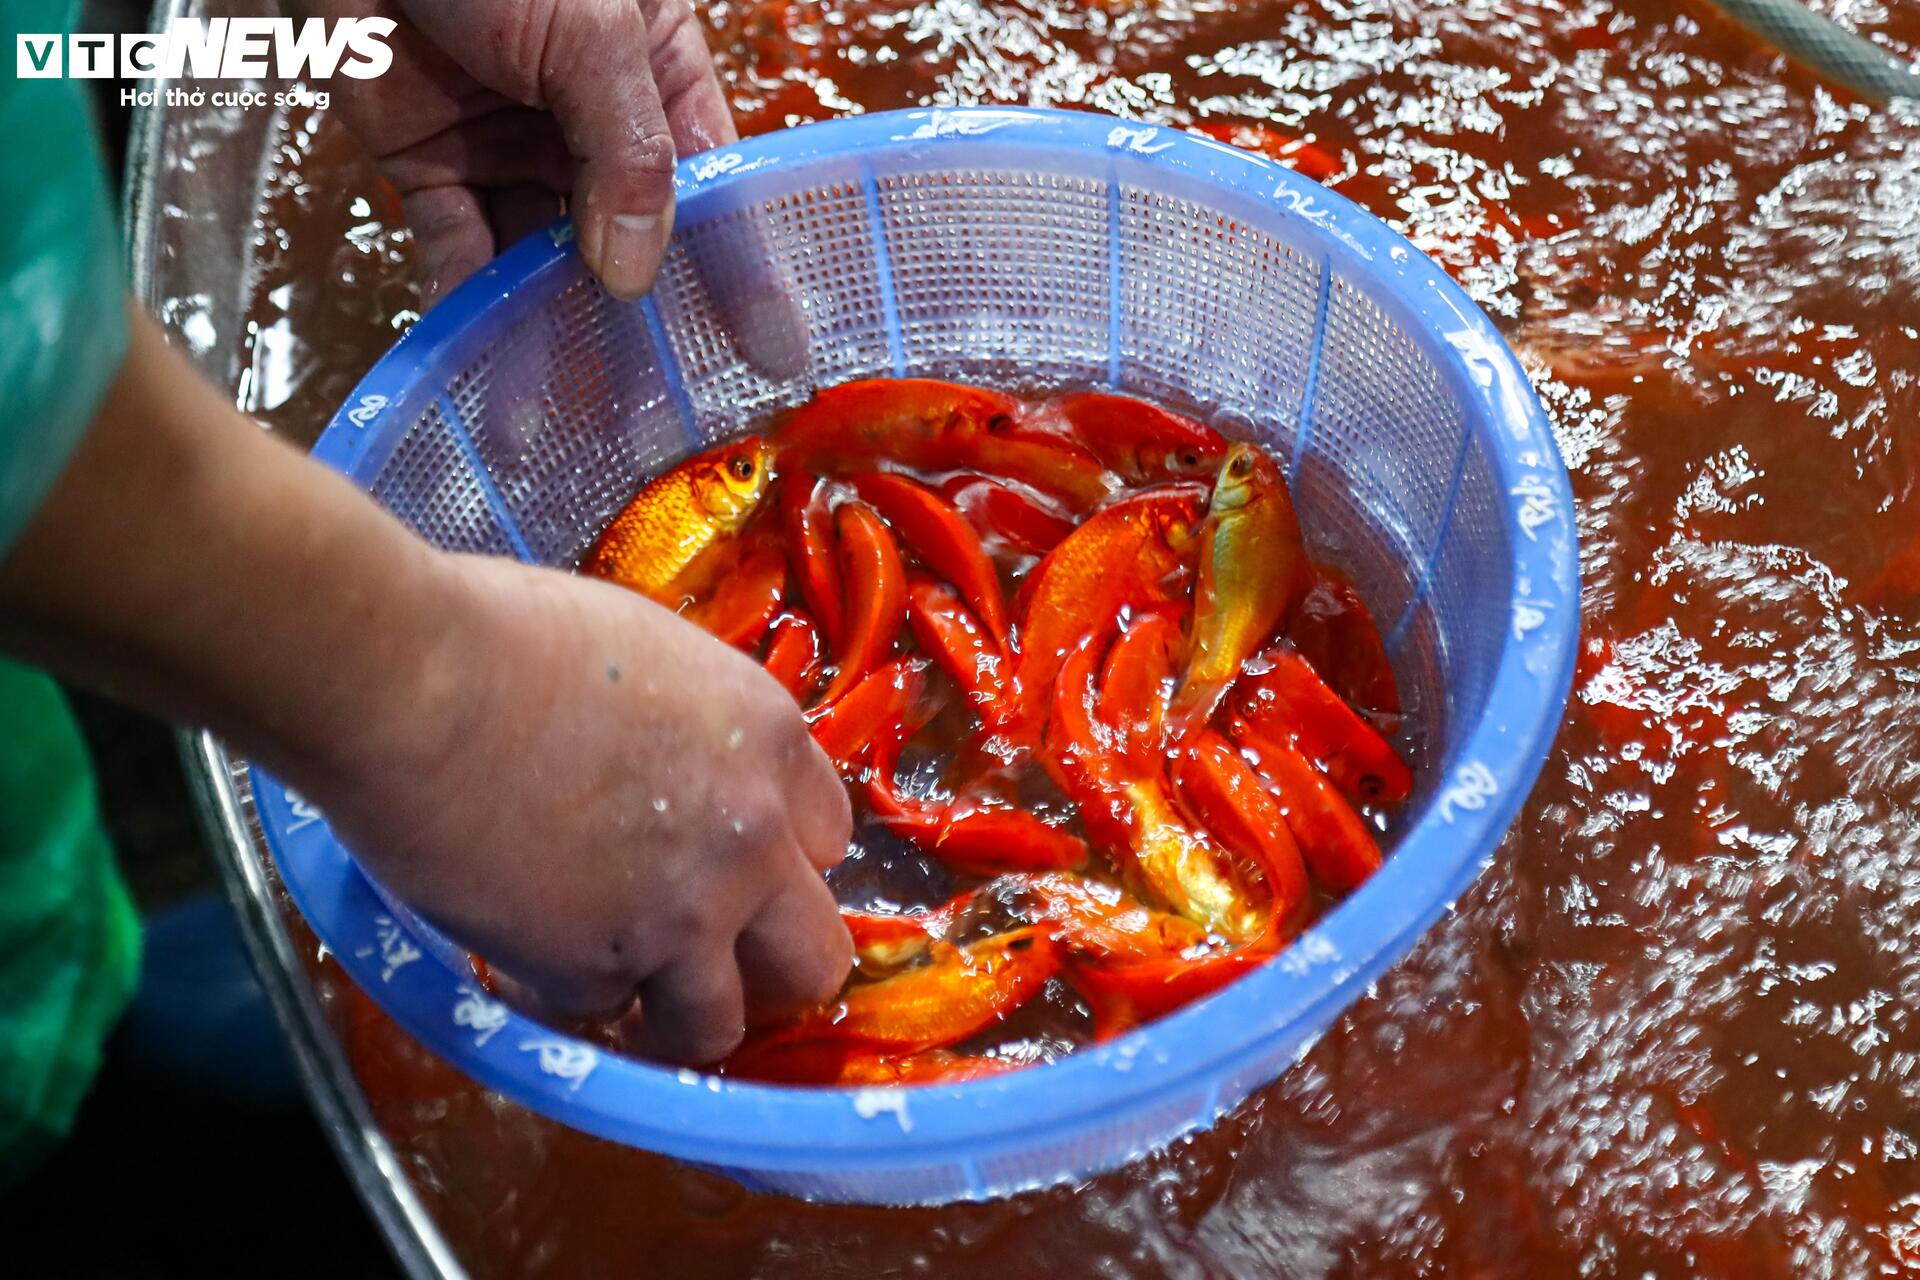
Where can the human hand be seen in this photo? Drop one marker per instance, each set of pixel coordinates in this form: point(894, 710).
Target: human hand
point(601, 800)
point(495, 111)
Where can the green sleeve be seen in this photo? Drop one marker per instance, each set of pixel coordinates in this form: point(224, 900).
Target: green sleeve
point(69, 938)
point(63, 330)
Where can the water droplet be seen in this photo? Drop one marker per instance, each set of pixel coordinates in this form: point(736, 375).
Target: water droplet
point(736, 738)
point(660, 804)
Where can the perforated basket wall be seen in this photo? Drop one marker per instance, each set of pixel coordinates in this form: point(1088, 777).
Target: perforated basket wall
point(1035, 250)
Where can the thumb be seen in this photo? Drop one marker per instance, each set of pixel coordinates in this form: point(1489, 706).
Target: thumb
point(596, 78)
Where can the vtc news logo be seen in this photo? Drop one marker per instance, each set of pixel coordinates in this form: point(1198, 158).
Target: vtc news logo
point(216, 49)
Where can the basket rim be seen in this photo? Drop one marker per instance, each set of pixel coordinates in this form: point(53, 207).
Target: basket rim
point(750, 1127)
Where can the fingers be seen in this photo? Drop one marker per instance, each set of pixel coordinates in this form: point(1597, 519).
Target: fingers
point(508, 145)
point(818, 811)
point(737, 263)
point(694, 1010)
point(690, 91)
point(795, 952)
point(451, 235)
point(553, 999)
point(517, 212)
point(595, 77)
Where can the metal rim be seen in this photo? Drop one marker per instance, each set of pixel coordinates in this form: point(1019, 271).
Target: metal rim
point(714, 1121)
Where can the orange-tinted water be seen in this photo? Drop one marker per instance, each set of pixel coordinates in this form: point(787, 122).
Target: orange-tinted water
point(1675, 1028)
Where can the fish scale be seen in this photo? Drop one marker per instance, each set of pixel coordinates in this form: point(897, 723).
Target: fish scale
point(670, 523)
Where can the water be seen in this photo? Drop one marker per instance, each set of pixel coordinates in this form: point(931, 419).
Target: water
point(1674, 1030)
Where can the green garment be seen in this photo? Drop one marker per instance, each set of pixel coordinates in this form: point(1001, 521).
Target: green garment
point(69, 939)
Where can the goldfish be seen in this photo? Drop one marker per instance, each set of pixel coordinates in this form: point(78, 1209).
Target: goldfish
point(1098, 920)
point(876, 583)
point(1128, 810)
point(930, 426)
point(1283, 697)
point(807, 518)
point(887, 940)
point(847, 728)
point(1214, 783)
point(677, 517)
point(1142, 443)
point(1253, 573)
point(1334, 631)
point(958, 993)
point(1124, 994)
point(1136, 552)
point(1335, 844)
point(794, 658)
point(747, 596)
point(940, 536)
point(1007, 519)
point(1133, 687)
point(969, 835)
point(946, 631)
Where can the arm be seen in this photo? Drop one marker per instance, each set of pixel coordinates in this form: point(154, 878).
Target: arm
point(566, 777)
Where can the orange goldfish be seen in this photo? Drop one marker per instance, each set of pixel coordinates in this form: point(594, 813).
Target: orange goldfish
point(959, 993)
point(1135, 552)
point(1098, 920)
point(935, 427)
point(677, 517)
point(1130, 813)
point(1143, 443)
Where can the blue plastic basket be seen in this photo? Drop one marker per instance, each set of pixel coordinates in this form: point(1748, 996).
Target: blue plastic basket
point(1049, 249)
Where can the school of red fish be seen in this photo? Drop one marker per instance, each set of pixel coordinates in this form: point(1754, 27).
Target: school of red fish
point(1214, 706)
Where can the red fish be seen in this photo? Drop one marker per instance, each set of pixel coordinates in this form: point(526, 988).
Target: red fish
point(1002, 514)
point(1130, 813)
point(943, 540)
point(969, 835)
point(1283, 697)
point(954, 638)
point(1136, 683)
point(815, 553)
point(795, 654)
point(1140, 442)
point(1334, 632)
point(746, 599)
point(959, 993)
point(876, 582)
point(1124, 994)
point(1336, 845)
point(884, 941)
point(1134, 553)
point(848, 727)
point(935, 427)
point(1100, 921)
point(1222, 792)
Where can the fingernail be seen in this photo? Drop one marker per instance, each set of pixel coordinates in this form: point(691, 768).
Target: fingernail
point(631, 251)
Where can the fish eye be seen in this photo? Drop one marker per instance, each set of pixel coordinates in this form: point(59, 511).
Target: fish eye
point(999, 422)
point(1020, 944)
point(1241, 467)
point(1190, 457)
point(742, 467)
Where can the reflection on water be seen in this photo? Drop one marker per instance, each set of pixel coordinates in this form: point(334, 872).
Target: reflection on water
point(1675, 1029)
